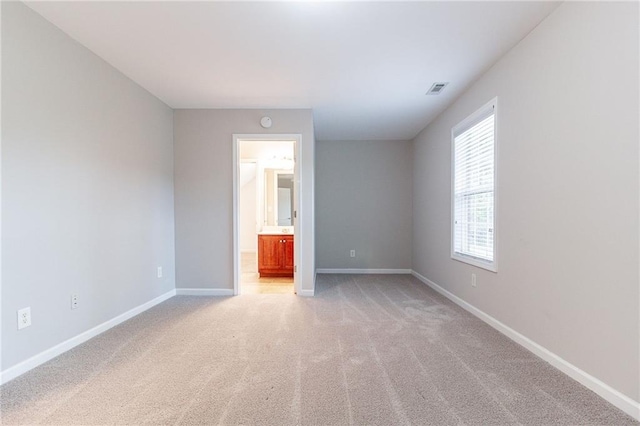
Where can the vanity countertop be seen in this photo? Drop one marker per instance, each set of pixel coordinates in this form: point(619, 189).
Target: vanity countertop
point(276, 230)
point(275, 233)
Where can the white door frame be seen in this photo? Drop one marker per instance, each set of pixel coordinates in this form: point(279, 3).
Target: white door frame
point(297, 172)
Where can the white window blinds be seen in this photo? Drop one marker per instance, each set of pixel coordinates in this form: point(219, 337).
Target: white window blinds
point(474, 188)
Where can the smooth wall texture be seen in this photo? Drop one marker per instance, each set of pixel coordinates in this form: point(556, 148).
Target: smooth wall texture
point(568, 191)
point(87, 187)
point(363, 202)
point(203, 141)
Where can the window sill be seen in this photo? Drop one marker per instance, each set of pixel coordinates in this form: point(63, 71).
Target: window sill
point(489, 266)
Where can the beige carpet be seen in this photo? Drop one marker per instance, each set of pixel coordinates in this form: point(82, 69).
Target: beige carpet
point(380, 350)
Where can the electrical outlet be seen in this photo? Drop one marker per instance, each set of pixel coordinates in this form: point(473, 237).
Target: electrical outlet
point(352, 253)
point(159, 271)
point(74, 301)
point(473, 280)
point(24, 318)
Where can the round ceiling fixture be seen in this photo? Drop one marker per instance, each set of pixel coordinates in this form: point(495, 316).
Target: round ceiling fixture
point(265, 122)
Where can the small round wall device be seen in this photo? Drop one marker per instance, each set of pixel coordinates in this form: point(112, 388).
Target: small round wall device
point(265, 122)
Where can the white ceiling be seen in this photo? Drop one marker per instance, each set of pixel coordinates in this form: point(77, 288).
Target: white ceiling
point(363, 67)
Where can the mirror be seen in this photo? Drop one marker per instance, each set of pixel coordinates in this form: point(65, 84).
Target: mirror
point(278, 190)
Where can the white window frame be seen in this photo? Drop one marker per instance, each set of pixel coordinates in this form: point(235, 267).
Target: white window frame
point(461, 127)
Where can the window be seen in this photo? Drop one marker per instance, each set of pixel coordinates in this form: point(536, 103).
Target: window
point(473, 185)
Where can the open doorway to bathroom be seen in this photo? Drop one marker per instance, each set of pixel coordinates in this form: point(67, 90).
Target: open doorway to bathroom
point(266, 195)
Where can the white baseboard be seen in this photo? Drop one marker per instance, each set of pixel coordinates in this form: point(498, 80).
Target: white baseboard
point(204, 291)
point(36, 360)
point(306, 293)
point(608, 393)
point(363, 271)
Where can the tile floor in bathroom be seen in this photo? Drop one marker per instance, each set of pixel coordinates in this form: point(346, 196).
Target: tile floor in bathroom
point(252, 283)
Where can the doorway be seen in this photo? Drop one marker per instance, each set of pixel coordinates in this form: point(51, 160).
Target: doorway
point(266, 202)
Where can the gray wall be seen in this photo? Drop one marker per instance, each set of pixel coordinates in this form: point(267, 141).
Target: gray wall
point(363, 202)
point(567, 191)
point(203, 179)
point(87, 190)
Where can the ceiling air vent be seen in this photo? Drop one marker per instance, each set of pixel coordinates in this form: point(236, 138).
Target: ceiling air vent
point(436, 88)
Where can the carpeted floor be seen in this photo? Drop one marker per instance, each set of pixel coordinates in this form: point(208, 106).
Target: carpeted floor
point(368, 349)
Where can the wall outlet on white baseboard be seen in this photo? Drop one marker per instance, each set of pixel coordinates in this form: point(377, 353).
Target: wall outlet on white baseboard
point(159, 271)
point(473, 280)
point(74, 301)
point(352, 253)
point(24, 318)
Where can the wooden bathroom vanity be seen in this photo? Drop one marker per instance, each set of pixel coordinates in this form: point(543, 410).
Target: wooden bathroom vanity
point(275, 255)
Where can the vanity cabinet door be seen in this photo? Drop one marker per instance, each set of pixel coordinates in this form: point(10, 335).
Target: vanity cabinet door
point(287, 253)
point(269, 252)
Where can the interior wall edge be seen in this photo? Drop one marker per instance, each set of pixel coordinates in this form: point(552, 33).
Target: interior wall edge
point(48, 354)
point(363, 271)
point(613, 396)
point(204, 292)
